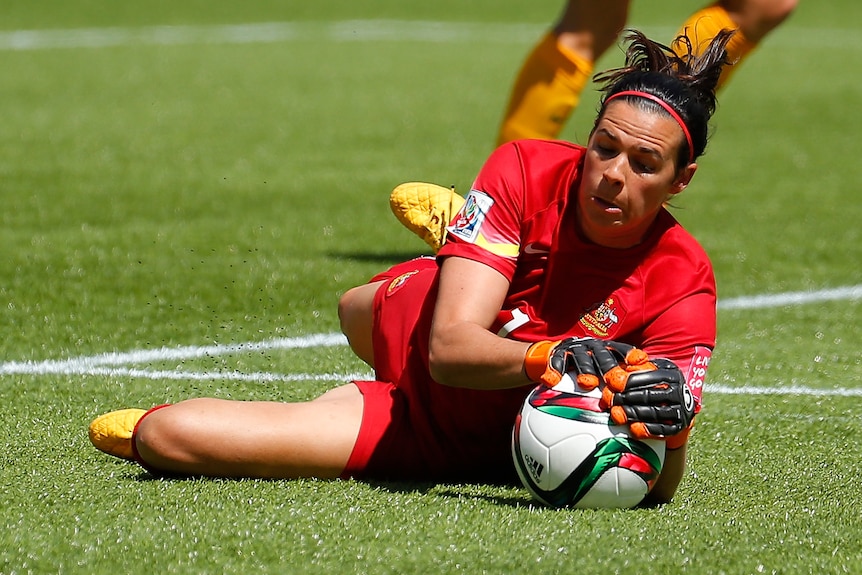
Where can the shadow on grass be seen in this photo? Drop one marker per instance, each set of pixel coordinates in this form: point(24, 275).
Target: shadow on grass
point(478, 490)
point(386, 258)
point(481, 491)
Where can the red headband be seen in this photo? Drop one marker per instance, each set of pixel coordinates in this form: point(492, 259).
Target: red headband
point(667, 108)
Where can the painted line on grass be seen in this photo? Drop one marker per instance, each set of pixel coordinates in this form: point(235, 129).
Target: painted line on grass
point(792, 298)
point(352, 31)
point(269, 32)
point(723, 389)
point(256, 377)
point(75, 365)
point(116, 364)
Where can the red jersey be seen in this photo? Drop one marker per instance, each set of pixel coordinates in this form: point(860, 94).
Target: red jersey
point(521, 219)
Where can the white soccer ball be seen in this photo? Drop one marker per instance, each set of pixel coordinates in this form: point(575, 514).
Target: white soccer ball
point(568, 452)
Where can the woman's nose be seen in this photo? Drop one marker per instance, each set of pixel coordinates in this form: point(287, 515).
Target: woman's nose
point(613, 172)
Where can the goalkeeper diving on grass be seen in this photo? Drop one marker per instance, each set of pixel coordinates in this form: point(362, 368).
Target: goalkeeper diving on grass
point(562, 259)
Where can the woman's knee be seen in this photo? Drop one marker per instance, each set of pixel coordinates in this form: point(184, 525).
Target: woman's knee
point(350, 306)
point(356, 315)
point(172, 434)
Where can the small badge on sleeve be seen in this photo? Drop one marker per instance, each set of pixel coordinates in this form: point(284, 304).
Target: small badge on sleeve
point(469, 221)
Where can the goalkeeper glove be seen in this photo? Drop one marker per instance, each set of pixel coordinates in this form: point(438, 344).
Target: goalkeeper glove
point(651, 396)
point(656, 403)
point(588, 358)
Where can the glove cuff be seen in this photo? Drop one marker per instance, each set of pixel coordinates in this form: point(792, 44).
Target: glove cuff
point(536, 359)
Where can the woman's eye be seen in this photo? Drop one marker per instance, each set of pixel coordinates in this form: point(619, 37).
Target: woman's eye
point(604, 151)
point(642, 167)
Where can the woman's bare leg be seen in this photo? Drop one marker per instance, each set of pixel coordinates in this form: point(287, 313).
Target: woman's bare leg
point(224, 438)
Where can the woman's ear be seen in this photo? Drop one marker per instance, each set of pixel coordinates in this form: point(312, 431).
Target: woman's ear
point(683, 178)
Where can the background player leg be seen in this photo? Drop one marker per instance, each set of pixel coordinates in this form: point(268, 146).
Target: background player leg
point(753, 19)
point(549, 84)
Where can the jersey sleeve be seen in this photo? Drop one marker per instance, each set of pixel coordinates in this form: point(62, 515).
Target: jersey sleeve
point(488, 226)
point(688, 339)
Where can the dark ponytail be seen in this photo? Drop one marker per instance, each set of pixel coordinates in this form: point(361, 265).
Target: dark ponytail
point(685, 81)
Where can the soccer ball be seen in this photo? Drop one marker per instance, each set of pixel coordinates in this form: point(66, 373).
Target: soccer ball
point(568, 452)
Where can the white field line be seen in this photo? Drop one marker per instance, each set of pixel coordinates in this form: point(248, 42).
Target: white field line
point(269, 32)
point(792, 298)
point(721, 389)
point(355, 31)
point(97, 363)
point(257, 377)
point(116, 364)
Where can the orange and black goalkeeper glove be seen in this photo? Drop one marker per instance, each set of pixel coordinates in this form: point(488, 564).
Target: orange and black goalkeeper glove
point(591, 360)
point(547, 361)
point(650, 396)
point(656, 403)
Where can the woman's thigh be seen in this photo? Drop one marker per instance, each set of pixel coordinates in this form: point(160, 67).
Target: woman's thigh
point(225, 438)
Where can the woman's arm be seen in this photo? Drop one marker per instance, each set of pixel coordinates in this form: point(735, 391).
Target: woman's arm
point(671, 475)
point(462, 350)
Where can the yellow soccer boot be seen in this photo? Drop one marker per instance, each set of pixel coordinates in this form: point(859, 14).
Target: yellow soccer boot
point(112, 432)
point(425, 209)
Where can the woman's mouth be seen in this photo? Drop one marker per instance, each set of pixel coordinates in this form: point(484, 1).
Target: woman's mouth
point(606, 206)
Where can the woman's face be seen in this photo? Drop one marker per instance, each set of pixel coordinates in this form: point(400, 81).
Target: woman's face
point(629, 172)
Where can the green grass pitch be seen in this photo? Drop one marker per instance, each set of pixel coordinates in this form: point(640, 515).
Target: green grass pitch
point(181, 180)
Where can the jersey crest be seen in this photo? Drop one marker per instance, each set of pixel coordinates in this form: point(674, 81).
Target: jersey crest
point(603, 319)
point(398, 282)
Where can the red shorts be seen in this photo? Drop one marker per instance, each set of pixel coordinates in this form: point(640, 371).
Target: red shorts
point(385, 448)
point(413, 427)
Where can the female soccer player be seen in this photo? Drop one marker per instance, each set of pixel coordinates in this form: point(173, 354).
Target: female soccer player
point(555, 242)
